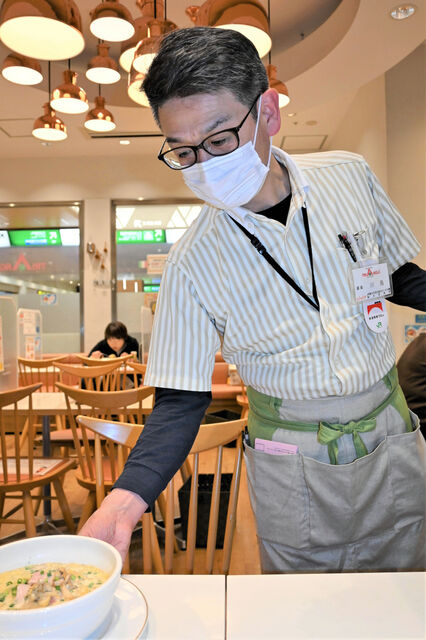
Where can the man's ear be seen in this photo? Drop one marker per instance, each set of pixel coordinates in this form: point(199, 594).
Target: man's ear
point(270, 110)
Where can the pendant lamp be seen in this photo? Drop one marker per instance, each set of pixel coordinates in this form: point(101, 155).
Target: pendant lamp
point(43, 29)
point(21, 69)
point(49, 127)
point(134, 88)
point(274, 83)
point(69, 97)
point(99, 119)
point(248, 17)
point(111, 21)
point(102, 69)
point(147, 49)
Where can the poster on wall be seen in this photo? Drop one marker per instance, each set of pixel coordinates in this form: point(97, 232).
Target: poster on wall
point(1, 347)
point(150, 300)
point(29, 333)
point(155, 263)
point(29, 347)
point(412, 331)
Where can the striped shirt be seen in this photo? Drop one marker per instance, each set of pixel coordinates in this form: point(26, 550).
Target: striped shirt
point(217, 290)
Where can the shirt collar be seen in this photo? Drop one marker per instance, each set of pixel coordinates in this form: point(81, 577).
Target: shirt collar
point(299, 189)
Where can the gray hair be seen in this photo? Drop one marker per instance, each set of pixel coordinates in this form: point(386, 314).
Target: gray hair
point(204, 60)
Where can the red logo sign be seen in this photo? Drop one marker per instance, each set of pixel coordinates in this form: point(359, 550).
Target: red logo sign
point(374, 305)
point(22, 264)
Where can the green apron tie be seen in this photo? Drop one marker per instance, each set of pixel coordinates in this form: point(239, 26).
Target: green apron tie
point(329, 433)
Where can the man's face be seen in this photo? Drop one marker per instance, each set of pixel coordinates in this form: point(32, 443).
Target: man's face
point(187, 121)
point(116, 344)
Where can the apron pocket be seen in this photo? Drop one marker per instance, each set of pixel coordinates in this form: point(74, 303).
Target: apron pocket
point(407, 456)
point(279, 497)
point(351, 501)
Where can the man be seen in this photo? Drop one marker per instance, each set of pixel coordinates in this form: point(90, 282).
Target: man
point(265, 272)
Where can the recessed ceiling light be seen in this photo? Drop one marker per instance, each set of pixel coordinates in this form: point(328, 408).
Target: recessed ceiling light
point(11, 204)
point(402, 11)
point(46, 144)
point(124, 141)
point(291, 115)
point(141, 198)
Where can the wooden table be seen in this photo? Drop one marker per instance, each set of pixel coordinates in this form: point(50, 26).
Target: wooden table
point(330, 605)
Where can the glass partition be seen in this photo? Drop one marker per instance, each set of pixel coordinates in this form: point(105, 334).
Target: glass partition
point(40, 265)
point(144, 234)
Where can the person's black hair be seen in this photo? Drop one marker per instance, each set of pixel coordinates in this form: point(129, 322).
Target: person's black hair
point(204, 60)
point(116, 330)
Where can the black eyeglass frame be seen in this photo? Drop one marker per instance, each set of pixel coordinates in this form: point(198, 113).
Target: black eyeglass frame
point(195, 148)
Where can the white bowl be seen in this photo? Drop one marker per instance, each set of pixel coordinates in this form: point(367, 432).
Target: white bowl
point(73, 619)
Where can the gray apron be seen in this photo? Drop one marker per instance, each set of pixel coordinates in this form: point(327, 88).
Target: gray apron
point(353, 497)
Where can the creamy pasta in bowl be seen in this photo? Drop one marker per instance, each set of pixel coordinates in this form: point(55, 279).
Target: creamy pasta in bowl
point(56, 586)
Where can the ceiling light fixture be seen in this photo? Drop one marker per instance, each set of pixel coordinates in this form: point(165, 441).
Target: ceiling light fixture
point(112, 21)
point(271, 70)
point(147, 48)
point(99, 119)
point(69, 97)
point(21, 69)
point(49, 127)
point(134, 88)
point(43, 29)
point(124, 142)
point(402, 11)
point(141, 31)
point(248, 17)
point(102, 69)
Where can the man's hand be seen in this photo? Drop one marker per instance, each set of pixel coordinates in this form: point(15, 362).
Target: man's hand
point(115, 519)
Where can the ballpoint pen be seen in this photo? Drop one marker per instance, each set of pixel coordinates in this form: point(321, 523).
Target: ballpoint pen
point(345, 242)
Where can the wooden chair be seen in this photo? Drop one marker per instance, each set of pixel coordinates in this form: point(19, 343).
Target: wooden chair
point(44, 371)
point(242, 400)
point(210, 437)
point(100, 378)
point(95, 362)
point(21, 472)
point(127, 405)
point(136, 372)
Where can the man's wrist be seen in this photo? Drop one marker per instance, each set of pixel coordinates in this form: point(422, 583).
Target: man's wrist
point(129, 504)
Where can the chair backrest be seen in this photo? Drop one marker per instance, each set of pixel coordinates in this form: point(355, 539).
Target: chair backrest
point(220, 373)
point(14, 464)
point(44, 371)
point(137, 371)
point(95, 362)
point(127, 405)
point(100, 378)
point(210, 437)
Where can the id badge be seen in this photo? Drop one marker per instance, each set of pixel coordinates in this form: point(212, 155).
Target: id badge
point(376, 315)
point(370, 281)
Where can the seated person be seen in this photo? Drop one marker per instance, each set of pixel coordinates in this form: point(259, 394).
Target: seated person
point(117, 342)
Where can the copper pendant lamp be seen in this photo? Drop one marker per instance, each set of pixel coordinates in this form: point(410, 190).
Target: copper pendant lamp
point(134, 88)
point(147, 49)
point(49, 127)
point(112, 21)
point(69, 97)
point(280, 87)
point(43, 29)
point(102, 69)
point(21, 69)
point(99, 119)
point(246, 16)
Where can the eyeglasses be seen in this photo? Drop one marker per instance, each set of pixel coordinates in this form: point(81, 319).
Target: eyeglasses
point(218, 144)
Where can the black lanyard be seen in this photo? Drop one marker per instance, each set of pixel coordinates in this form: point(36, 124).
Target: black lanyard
point(274, 264)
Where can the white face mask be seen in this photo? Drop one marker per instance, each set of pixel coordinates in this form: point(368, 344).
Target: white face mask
point(232, 180)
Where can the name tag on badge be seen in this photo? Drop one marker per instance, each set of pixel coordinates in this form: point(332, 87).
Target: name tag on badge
point(376, 315)
point(371, 282)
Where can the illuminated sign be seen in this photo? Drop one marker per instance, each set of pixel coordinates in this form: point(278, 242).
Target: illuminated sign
point(4, 239)
point(70, 237)
point(151, 288)
point(34, 237)
point(140, 236)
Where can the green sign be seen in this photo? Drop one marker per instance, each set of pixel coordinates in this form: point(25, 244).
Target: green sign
point(34, 237)
point(140, 236)
point(151, 288)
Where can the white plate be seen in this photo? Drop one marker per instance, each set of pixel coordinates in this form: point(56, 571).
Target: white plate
point(128, 618)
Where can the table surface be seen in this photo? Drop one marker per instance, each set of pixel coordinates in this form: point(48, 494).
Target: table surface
point(52, 403)
point(183, 607)
point(357, 605)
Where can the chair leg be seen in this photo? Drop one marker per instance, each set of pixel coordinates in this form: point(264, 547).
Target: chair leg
point(63, 503)
point(30, 526)
point(39, 500)
point(146, 543)
point(156, 554)
point(186, 471)
point(88, 509)
point(2, 499)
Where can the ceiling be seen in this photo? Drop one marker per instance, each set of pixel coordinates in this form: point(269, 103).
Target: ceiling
point(324, 50)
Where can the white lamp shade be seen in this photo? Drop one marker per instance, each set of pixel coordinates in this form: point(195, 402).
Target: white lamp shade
point(261, 40)
point(134, 89)
point(99, 126)
point(21, 70)
point(102, 75)
point(112, 29)
point(143, 62)
point(42, 38)
point(49, 135)
point(126, 58)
